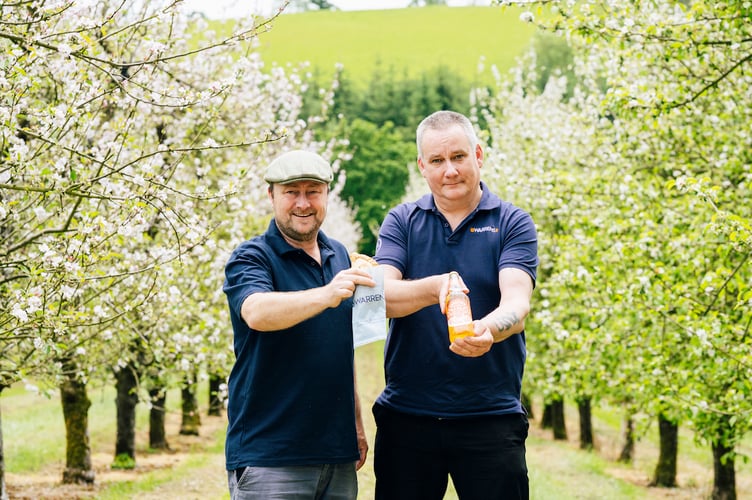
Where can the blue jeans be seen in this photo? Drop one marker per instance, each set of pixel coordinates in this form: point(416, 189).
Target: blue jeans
point(414, 456)
point(307, 482)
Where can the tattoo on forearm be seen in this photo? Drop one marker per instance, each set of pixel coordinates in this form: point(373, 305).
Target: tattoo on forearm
point(505, 321)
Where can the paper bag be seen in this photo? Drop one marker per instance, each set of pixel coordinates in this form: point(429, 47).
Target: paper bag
point(369, 310)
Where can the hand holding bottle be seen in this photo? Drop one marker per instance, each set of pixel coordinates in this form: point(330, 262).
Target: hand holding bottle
point(463, 337)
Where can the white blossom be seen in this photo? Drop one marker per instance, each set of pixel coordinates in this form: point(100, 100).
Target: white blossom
point(33, 304)
point(64, 49)
point(19, 313)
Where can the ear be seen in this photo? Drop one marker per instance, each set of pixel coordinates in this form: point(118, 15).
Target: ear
point(421, 167)
point(479, 155)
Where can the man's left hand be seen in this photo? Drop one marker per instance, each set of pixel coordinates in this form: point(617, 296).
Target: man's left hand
point(475, 345)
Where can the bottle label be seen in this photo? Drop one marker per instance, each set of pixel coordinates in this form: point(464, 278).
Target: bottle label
point(458, 312)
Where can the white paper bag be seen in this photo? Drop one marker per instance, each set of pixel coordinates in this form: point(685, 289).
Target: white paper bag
point(369, 310)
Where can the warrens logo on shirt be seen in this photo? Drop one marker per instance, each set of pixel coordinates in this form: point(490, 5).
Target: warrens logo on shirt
point(485, 229)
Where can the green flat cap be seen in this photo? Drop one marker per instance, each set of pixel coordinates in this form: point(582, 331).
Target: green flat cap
point(298, 165)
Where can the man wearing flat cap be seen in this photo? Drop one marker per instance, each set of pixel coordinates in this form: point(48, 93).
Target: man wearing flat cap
point(295, 429)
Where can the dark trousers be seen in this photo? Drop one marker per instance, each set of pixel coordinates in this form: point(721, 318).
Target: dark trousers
point(414, 456)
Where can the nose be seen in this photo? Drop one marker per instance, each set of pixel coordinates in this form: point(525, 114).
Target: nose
point(302, 201)
point(451, 169)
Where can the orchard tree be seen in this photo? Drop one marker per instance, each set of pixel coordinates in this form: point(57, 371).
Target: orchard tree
point(544, 155)
point(130, 154)
point(672, 268)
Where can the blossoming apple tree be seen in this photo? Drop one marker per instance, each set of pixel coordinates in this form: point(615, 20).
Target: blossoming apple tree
point(132, 139)
point(640, 185)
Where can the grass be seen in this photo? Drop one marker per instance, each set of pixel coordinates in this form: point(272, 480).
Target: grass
point(556, 471)
point(406, 41)
point(34, 441)
point(163, 480)
point(28, 417)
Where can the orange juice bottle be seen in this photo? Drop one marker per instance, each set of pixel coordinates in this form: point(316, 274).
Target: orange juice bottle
point(459, 315)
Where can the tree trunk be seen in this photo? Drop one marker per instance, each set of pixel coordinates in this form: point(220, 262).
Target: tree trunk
point(627, 451)
point(215, 395)
point(557, 420)
point(724, 476)
point(76, 404)
point(126, 384)
point(191, 416)
point(547, 418)
point(157, 434)
point(586, 424)
point(3, 489)
point(665, 470)
point(527, 403)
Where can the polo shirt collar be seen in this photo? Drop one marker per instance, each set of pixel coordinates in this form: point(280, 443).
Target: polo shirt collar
point(488, 200)
point(281, 247)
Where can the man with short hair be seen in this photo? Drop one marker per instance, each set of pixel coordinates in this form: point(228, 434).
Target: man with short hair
point(295, 428)
point(454, 409)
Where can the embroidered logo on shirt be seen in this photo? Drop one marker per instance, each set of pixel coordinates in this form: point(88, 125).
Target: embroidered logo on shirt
point(484, 229)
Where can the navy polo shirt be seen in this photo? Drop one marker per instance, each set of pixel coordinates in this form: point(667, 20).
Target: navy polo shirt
point(291, 393)
point(423, 377)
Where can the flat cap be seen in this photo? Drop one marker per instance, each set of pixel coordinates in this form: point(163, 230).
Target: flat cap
point(298, 165)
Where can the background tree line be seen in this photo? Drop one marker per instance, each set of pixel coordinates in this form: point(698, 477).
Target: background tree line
point(380, 118)
point(379, 123)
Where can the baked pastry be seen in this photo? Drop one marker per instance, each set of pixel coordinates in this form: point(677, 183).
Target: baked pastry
point(362, 261)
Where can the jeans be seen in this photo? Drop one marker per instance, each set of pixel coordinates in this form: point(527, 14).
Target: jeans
point(485, 456)
point(308, 482)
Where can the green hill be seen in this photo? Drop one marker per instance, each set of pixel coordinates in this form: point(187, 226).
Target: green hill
point(408, 41)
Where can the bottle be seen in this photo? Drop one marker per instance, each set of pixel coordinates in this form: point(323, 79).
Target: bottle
point(458, 312)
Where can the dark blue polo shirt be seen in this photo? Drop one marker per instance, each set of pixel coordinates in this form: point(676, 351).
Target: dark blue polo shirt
point(423, 377)
point(291, 394)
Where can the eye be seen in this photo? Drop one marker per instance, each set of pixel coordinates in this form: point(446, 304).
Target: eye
point(459, 157)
